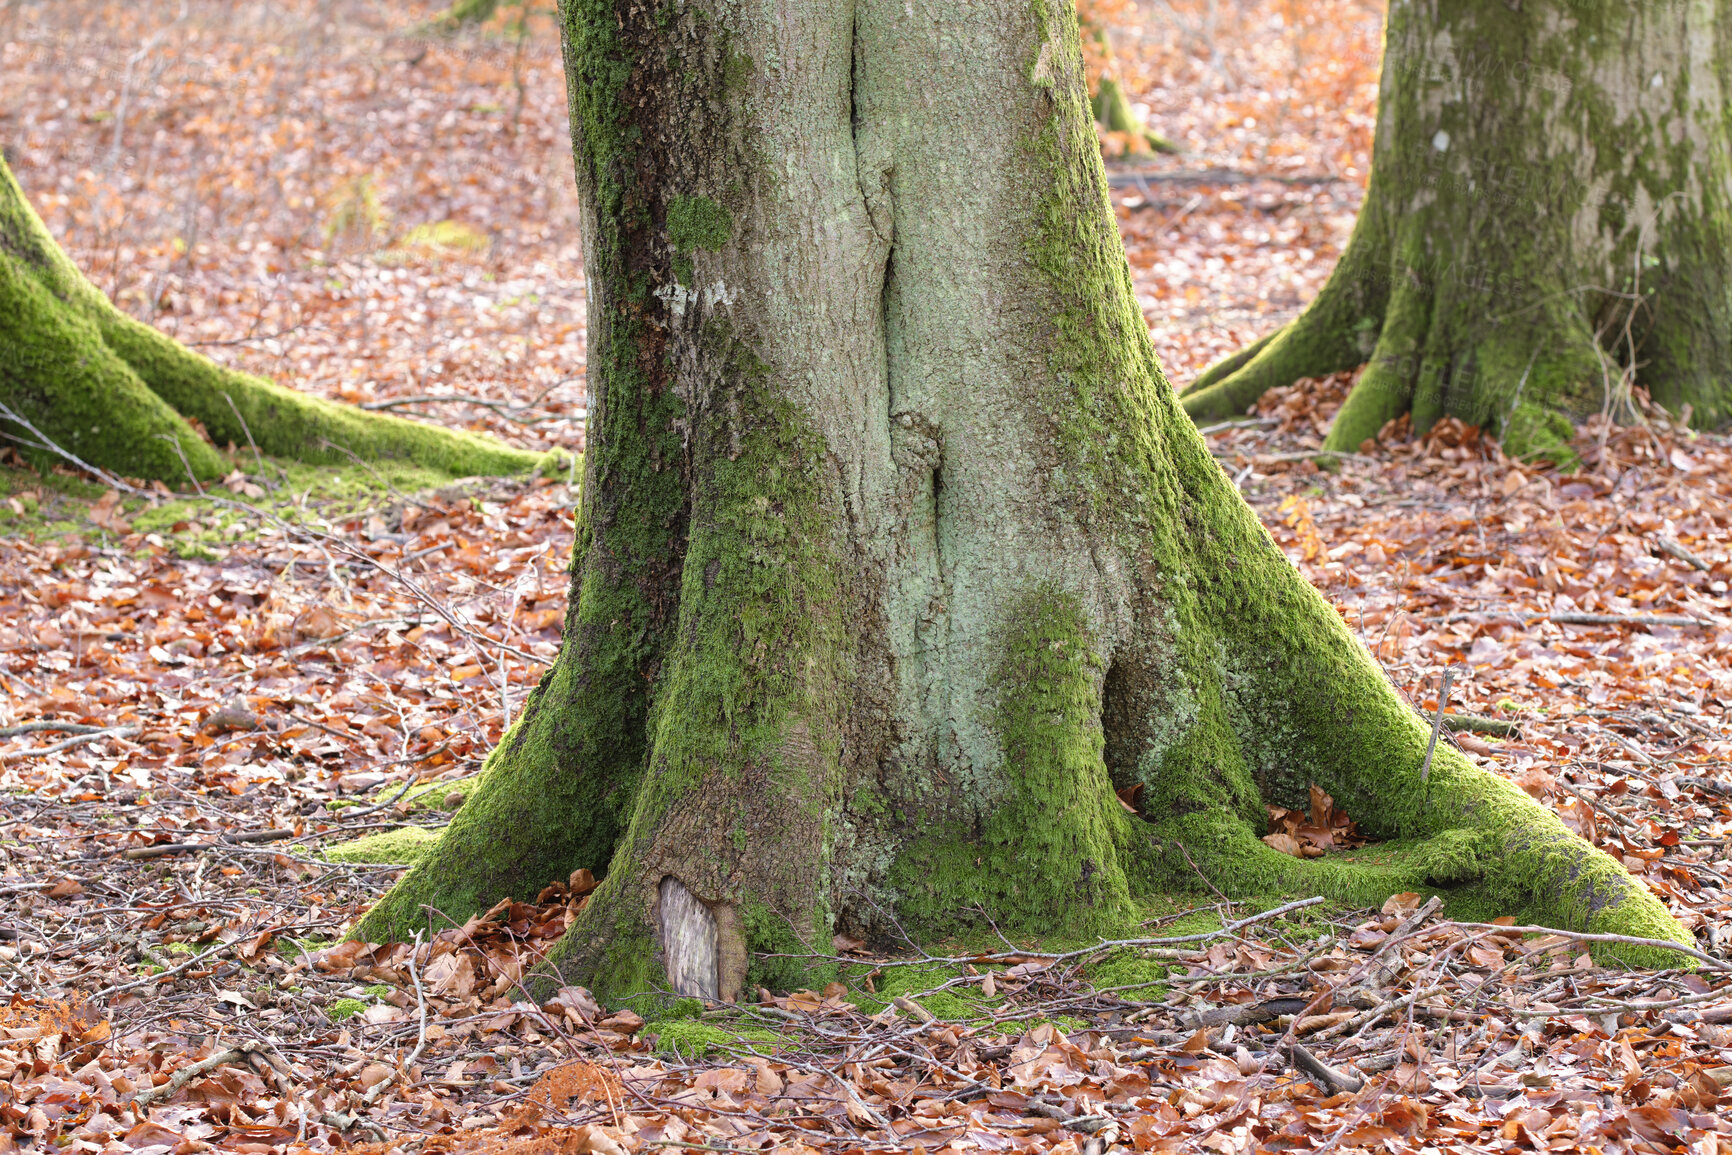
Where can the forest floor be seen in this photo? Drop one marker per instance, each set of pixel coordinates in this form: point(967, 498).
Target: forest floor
point(203, 696)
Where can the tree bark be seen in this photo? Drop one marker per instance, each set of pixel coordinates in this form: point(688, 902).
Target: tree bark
point(896, 555)
point(1549, 217)
point(116, 393)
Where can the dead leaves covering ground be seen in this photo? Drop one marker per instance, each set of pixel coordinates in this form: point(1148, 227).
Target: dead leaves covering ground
point(300, 188)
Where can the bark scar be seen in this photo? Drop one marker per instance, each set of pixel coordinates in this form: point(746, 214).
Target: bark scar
point(688, 940)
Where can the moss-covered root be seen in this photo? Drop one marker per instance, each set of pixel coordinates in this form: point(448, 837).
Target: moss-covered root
point(462, 14)
point(541, 810)
point(239, 408)
point(1328, 337)
point(1113, 109)
point(1385, 390)
point(1057, 853)
point(117, 394)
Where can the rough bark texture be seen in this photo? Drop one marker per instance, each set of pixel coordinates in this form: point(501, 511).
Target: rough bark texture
point(1550, 204)
point(116, 393)
point(896, 554)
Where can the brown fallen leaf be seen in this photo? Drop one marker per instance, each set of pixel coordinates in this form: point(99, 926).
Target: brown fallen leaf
point(1283, 842)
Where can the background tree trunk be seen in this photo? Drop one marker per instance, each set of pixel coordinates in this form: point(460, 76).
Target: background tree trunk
point(1550, 206)
point(116, 393)
point(896, 555)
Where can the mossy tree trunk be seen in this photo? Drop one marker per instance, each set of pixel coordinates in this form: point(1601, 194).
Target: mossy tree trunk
point(117, 394)
point(896, 555)
point(1550, 205)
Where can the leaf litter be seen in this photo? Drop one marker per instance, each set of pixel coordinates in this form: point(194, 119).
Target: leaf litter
point(184, 736)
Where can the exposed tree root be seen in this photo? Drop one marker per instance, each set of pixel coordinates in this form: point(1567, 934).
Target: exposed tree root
point(121, 395)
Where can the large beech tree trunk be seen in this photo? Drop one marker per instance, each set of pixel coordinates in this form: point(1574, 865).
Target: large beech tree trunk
point(896, 554)
point(79, 376)
point(1550, 205)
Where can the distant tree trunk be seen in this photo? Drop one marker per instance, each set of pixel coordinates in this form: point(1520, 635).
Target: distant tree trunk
point(1550, 205)
point(896, 556)
point(116, 393)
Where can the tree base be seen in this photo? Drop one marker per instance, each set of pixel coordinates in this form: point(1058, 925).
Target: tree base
point(1525, 255)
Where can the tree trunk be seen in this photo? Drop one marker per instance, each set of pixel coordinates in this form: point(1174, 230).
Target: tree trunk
point(1549, 216)
point(78, 374)
point(896, 556)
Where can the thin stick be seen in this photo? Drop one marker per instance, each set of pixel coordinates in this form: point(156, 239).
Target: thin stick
point(378, 1088)
point(110, 992)
point(50, 727)
point(1436, 728)
point(258, 457)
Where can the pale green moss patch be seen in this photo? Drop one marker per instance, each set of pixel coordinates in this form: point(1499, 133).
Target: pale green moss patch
point(406, 847)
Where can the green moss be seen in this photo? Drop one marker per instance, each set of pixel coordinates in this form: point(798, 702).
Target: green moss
point(1114, 111)
point(918, 983)
point(1048, 855)
point(690, 1039)
point(293, 948)
point(1533, 433)
point(406, 846)
point(344, 1009)
point(698, 223)
point(463, 14)
point(769, 933)
point(1128, 971)
point(432, 795)
point(379, 991)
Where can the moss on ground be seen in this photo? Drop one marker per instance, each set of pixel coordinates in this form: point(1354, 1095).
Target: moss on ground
point(344, 1009)
point(691, 1039)
point(44, 504)
point(405, 846)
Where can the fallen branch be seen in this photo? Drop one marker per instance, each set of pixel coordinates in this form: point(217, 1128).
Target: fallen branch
point(1677, 550)
point(55, 727)
point(1246, 1015)
point(1333, 1081)
point(378, 1088)
point(1582, 936)
point(164, 849)
point(1477, 724)
point(1575, 619)
point(187, 1074)
point(72, 743)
